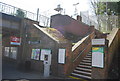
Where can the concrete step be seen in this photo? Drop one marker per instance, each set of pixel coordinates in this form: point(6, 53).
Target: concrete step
point(87, 61)
point(83, 69)
point(85, 66)
point(79, 75)
point(84, 63)
point(89, 54)
point(87, 58)
point(85, 73)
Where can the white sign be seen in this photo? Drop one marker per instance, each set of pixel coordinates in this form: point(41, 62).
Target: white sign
point(43, 52)
point(97, 60)
point(98, 41)
point(97, 57)
point(61, 56)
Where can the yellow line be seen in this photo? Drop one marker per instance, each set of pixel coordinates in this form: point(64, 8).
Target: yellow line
point(77, 78)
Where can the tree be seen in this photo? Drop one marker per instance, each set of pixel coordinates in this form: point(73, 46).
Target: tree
point(104, 9)
point(20, 13)
point(98, 8)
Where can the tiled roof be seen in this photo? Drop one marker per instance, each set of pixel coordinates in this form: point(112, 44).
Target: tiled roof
point(53, 34)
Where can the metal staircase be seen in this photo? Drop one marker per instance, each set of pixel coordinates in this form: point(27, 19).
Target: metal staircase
point(84, 69)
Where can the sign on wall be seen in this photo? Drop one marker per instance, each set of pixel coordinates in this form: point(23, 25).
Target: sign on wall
point(61, 56)
point(43, 52)
point(35, 54)
point(15, 40)
point(98, 57)
point(98, 41)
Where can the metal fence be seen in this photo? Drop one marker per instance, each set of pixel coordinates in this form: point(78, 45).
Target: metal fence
point(101, 22)
point(11, 10)
point(89, 20)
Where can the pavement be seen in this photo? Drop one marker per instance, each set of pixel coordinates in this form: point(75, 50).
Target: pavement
point(9, 71)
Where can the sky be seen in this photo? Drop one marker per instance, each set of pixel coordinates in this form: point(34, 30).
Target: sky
point(46, 7)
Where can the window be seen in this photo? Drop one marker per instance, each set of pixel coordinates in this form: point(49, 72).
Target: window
point(7, 51)
point(11, 52)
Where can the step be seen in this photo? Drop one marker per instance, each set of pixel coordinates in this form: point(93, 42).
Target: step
point(78, 78)
point(85, 69)
point(89, 54)
point(88, 73)
point(87, 58)
point(79, 75)
point(84, 66)
point(85, 63)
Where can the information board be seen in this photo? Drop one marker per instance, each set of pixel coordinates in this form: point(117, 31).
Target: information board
point(98, 57)
point(61, 56)
point(35, 54)
point(43, 52)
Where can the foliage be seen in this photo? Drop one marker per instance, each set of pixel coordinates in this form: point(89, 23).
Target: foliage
point(20, 13)
point(109, 8)
point(113, 8)
point(101, 8)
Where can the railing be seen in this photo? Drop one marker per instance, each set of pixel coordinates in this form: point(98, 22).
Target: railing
point(89, 19)
point(11, 10)
point(81, 53)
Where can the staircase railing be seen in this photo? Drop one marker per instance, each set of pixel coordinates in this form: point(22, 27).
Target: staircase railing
point(80, 52)
point(12, 10)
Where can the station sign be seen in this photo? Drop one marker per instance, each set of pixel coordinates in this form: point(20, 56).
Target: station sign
point(15, 40)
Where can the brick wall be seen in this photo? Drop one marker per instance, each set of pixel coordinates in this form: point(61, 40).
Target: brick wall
point(66, 24)
point(111, 47)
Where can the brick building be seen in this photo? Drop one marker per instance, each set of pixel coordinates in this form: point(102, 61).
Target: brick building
point(36, 41)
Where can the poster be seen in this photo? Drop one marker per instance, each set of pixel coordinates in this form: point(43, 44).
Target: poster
point(35, 54)
point(43, 52)
point(98, 57)
point(61, 56)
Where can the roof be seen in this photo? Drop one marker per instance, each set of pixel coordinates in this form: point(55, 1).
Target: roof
point(53, 34)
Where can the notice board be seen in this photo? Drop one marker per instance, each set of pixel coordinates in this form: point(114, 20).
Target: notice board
point(61, 56)
point(43, 52)
point(98, 57)
point(35, 54)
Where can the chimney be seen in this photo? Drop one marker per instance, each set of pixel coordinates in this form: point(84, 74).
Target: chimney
point(79, 18)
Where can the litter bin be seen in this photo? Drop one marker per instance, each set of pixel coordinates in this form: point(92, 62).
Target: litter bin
point(27, 65)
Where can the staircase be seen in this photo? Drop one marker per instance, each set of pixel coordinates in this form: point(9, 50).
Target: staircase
point(84, 69)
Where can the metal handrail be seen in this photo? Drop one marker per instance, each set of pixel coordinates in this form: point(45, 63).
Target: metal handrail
point(83, 50)
point(11, 10)
point(80, 53)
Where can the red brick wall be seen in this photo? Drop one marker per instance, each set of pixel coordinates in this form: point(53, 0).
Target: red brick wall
point(65, 23)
